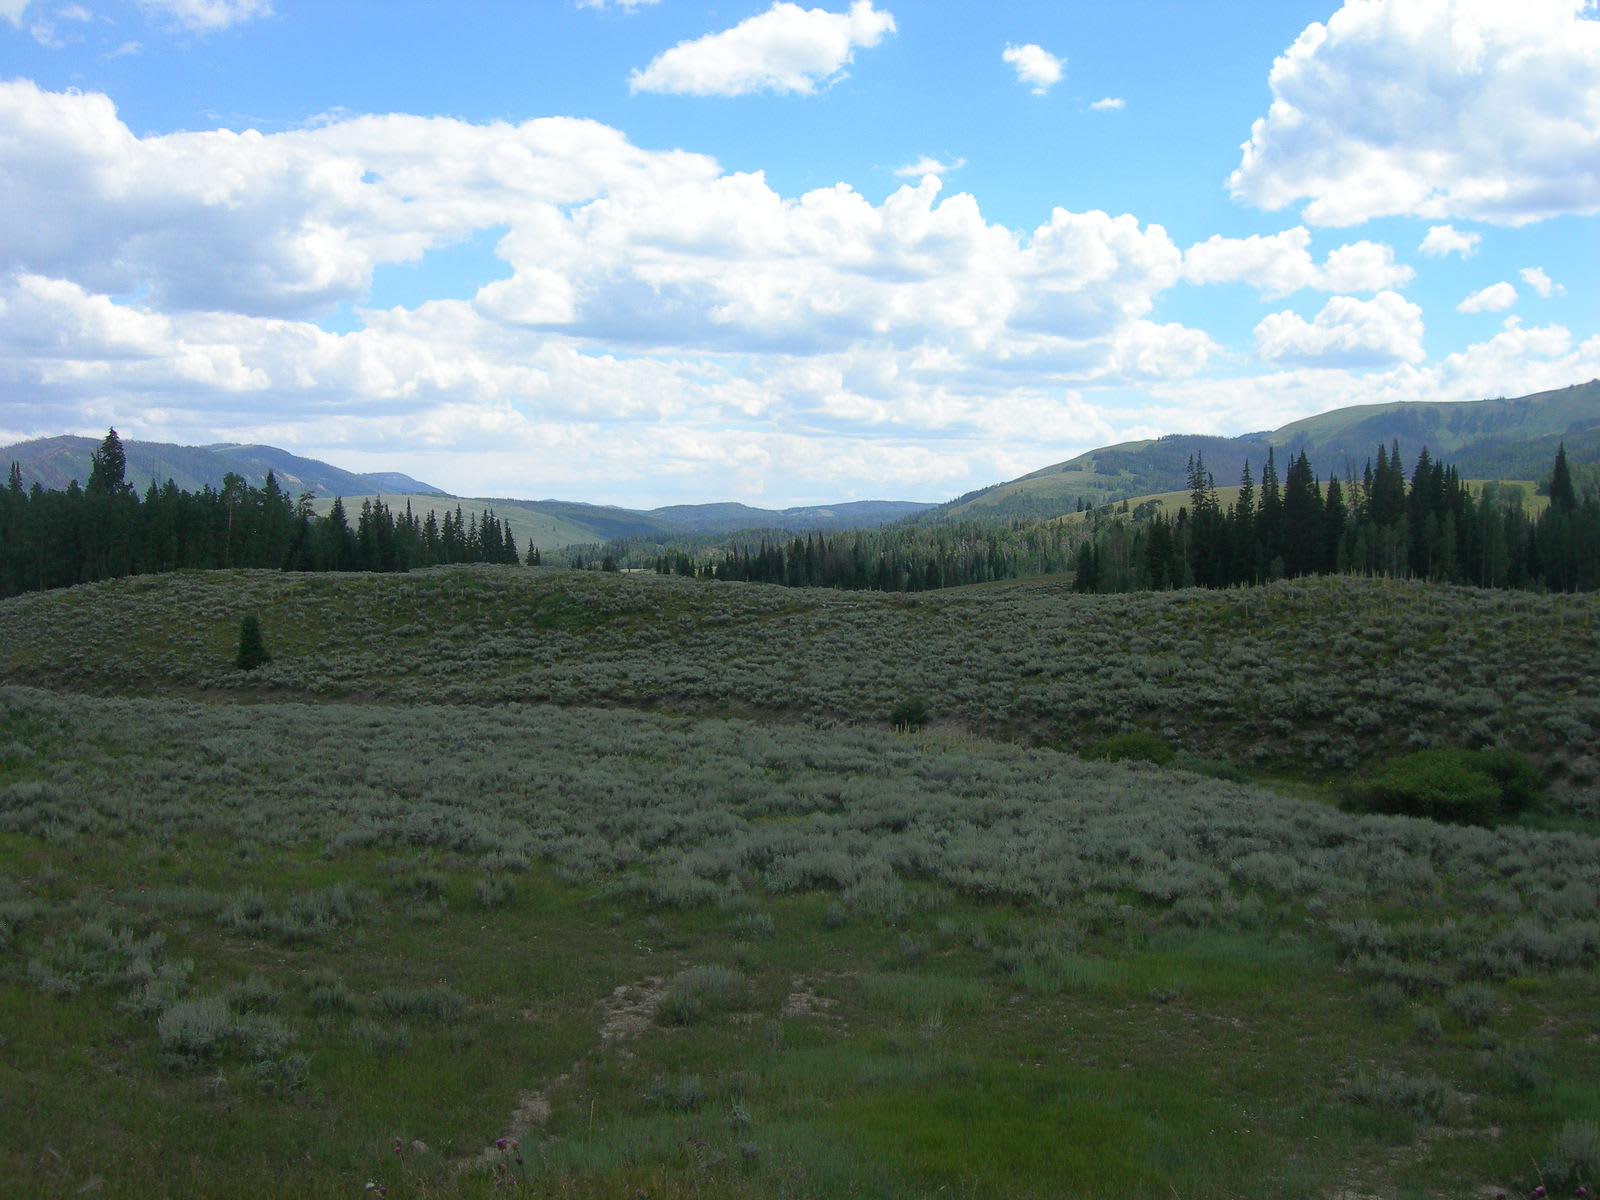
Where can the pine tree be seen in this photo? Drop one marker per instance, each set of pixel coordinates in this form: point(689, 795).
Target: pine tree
point(252, 650)
point(1563, 496)
point(107, 468)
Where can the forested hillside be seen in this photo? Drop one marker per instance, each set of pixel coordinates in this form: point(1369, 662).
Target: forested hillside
point(1486, 439)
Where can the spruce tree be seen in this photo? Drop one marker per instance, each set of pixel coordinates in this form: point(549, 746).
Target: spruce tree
point(252, 650)
point(1563, 496)
point(108, 467)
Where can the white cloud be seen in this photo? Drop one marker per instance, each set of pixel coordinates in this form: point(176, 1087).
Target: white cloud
point(12, 11)
point(1346, 333)
point(1280, 263)
point(1535, 278)
point(1035, 66)
point(785, 49)
point(928, 166)
point(204, 15)
point(646, 299)
point(1108, 104)
point(1497, 297)
point(1437, 108)
point(1443, 239)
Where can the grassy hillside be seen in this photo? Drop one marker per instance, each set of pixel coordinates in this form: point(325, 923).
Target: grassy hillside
point(583, 885)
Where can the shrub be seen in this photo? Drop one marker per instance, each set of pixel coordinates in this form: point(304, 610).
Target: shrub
point(1420, 1096)
point(495, 891)
point(438, 1004)
point(195, 1028)
point(699, 991)
point(329, 993)
point(1574, 1153)
point(910, 713)
point(1448, 785)
point(1137, 745)
point(254, 994)
point(1474, 1003)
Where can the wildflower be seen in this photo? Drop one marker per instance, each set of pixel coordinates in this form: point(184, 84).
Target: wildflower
point(499, 1143)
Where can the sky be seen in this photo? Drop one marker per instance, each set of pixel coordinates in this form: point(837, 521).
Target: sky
point(648, 252)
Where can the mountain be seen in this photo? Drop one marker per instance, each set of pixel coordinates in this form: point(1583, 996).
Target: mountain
point(1485, 439)
point(549, 524)
point(57, 461)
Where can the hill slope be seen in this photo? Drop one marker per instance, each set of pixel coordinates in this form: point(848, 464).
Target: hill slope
point(1501, 438)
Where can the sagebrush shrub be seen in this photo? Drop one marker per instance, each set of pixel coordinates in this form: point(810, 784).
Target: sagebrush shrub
point(699, 991)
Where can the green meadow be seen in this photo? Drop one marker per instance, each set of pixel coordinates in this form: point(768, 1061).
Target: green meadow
point(578, 884)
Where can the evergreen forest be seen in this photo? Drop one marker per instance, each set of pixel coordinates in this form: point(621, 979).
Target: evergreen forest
point(104, 530)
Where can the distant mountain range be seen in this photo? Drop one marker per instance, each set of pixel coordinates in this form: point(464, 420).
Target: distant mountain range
point(1483, 439)
point(55, 462)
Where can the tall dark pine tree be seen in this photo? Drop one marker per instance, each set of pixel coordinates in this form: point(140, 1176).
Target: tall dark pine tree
point(108, 467)
point(1563, 496)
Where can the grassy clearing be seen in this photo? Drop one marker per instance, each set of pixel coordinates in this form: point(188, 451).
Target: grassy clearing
point(313, 945)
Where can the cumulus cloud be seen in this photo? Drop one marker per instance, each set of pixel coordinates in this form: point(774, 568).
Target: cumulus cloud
point(928, 166)
point(207, 15)
point(1436, 108)
point(639, 294)
point(12, 11)
point(1346, 333)
point(1443, 239)
point(785, 49)
point(1108, 104)
point(1535, 278)
point(1497, 297)
point(1036, 67)
point(1280, 263)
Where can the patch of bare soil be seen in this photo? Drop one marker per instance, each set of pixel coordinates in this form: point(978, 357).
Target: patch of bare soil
point(803, 1001)
point(629, 1011)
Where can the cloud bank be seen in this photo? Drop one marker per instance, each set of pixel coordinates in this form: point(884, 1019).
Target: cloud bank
point(1439, 109)
point(681, 315)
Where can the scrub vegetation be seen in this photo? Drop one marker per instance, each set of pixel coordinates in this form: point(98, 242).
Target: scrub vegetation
point(593, 884)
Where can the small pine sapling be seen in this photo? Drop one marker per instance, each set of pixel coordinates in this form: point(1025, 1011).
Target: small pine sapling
point(252, 650)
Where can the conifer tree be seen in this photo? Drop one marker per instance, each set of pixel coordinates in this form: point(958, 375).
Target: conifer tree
point(1563, 496)
point(252, 649)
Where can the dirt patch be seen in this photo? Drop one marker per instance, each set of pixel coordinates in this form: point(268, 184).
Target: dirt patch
point(803, 1001)
point(630, 1010)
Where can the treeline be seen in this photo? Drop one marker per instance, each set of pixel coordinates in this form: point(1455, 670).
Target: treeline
point(103, 530)
point(895, 558)
point(1377, 524)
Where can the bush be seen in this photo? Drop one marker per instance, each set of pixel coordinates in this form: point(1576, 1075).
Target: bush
point(1473, 787)
point(1137, 745)
point(1574, 1153)
point(910, 713)
point(698, 991)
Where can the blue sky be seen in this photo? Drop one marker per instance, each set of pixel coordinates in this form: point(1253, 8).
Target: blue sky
point(674, 251)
